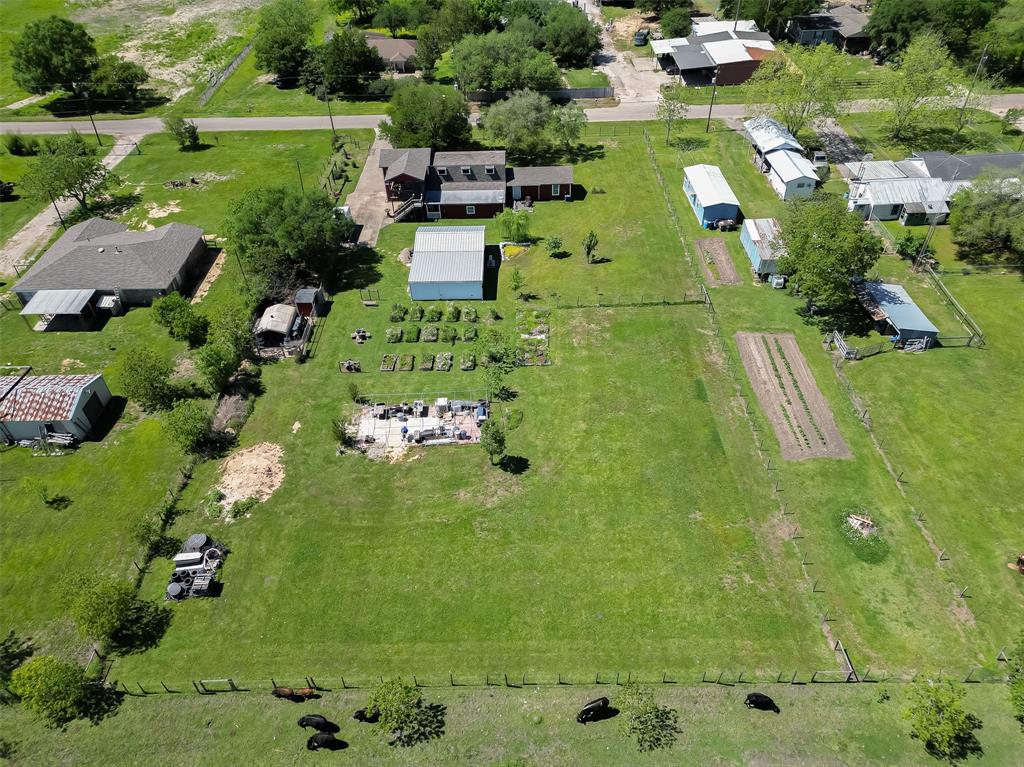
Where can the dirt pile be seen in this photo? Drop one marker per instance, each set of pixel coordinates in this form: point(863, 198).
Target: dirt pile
point(255, 472)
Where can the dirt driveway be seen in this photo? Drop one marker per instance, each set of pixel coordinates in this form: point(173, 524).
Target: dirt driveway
point(634, 77)
point(368, 201)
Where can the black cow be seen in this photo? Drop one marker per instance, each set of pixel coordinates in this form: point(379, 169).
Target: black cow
point(369, 718)
point(761, 702)
point(318, 722)
point(325, 740)
point(593, 711)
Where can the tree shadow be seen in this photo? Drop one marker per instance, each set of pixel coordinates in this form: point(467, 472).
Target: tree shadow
point(72, 105)
point(354, 269)
point(428, 725)
point(58, 502)
point(145, 626)
point(99, 702)
point(849, 318)
point(107, 207)
point(600, 260)
point(688, 143)
point(964, 746)
point(586, 153)
point(514, 464)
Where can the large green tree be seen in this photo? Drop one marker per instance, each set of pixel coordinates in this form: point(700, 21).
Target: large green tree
point(67, 166)
point(344, 64)
point(520, 123)
point(403, 716)
point(570, 36)
point(424, 114)
point(651, 725)
point(503, 62)
point(101, 606)
point(567, 125)
point(364, 9)
point(54, 689)
point(283, 31)
point(658, 7)
point(987, 219)
point(939, 720)
point(798, 85)
point(1005, 37)
point(826, 246)
point(53, 53)
point(115, 79)
point(145, 378)
point(393, 15)
point(676, 22)
point(917, 86)
point(188, 424)
point(894, 23)
point(771, 15)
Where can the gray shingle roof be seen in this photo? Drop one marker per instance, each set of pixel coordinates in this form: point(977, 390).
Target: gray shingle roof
point(408, 162)
point(448, 254)
point(539, 176)
point(494, 157)
point(968, 166)
point(104, 255)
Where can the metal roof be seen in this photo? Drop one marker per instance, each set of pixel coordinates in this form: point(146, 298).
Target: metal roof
point(550, 174)
point(899, 307)
point(711, 27)
point(665, 47)
point(765, 233)
point(876, 170)
point(732, 51)
point(448, 254)
point(790, 166)
point(277, 319)
point(769, 135)
point(42, 398)
point(710, 185)
point(902, 190)
point(58, 302)
point(474, 194)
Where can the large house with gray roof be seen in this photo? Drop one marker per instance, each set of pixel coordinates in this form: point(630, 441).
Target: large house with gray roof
point(424, 184)
point(99, 265)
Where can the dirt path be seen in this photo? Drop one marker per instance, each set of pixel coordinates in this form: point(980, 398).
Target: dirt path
point(368, 201)
point(789, 397)
point(836, 142)
point(30, 238)
point(714, 251)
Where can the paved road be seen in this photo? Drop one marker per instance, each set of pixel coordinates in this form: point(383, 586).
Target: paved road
point(625, 112)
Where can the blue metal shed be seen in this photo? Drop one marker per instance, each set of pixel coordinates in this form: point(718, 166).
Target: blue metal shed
point(760, 238)
point(710, 195)
point(902, 314)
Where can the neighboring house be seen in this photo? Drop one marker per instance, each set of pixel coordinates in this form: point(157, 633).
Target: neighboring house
point(710, 195)
point(762, 242)
point(99, 266)
point(397, 53)
point(894, 311)
point(447, 263)
point(34, 406)
point(477, 184)
point(780, 155)
point(842, 26)
point(727, 53)
point(888, 200)
point(967, 167)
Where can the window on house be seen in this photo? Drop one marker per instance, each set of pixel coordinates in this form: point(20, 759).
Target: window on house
point(470, 210)
point(555, 189)
point(442, 171)
point(466, 170)
point(489, 169)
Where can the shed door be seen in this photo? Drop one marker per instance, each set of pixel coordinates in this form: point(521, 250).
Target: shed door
point(93, 408)
point(517, 193)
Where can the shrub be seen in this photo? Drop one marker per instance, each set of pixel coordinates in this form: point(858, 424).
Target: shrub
point(144, 378)
point(393, 335)
point(101, 606)
point(434, 314)
point(652, 726)
point(184, 132)
point(938, 719)
point(54, 689)
point(412, 333)
point(403, 716)
point(469, 334)
point(353, 391)
point(469, 314)
point(21, 146)
point(430, 333)
point(453, 313)
point(416, 313)
point(382, 89)
point(188, 424)
point(492, 315)
point(240, 508)
point(398, 312)
point(449, 335)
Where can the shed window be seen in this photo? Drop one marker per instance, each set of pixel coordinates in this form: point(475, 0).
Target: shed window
point(466, 170)
point(470, 210)
point(555, 189)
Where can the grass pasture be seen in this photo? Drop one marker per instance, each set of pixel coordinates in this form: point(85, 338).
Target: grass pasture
point(868, 131)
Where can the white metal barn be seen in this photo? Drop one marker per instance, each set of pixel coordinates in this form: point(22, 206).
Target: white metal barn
point(447, 263)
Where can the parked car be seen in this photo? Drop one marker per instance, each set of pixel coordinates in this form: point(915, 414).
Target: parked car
point(640, 37)
point(818, 158)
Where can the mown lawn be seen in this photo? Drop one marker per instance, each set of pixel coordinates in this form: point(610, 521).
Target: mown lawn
point(585, 78)
point(868, 131)
point(827, 724)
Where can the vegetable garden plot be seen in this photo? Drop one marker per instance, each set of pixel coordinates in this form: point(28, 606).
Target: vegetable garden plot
point(789, 397)
point(713, 250)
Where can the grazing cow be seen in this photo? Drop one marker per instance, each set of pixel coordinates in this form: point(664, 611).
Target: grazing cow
point(296, 695)
point(368, 718)
point(592, 711)
point(317, 722)
point(320, 740)
point(761, 702)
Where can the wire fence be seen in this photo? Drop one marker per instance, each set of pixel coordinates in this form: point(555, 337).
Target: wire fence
point(223, 75)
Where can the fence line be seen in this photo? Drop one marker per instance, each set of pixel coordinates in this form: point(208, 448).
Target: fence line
point(643, 299)
point(961, 313)
point(224, 74)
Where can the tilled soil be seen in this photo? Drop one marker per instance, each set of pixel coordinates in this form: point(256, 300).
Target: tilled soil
point(789, 397)
point(714, 249)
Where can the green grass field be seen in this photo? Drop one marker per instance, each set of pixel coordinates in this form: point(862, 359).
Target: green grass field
point(585, 78)
point(867, 129)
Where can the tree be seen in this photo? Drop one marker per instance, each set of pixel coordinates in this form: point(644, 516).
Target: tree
point(185, 132)
point(402, 713)
point(676, 22)
point(216, 363)
point(514, 225)
point(567, 124)
point(363, 9)
point(672, 106)
point(393, 15)
point(799, 85)
point(590, 246)
point(909, 244)
point(145, 377)
point(825, 247)
point(13, 652)
point(425, 114)
point(1005, 38)
point(492, 440)
point(344, 64)
point(117, 80)
point(67, 167)
point(54, 689)
point(175, 313)
point(938, 719)
point(101, 606)
point(53, 53)
point(517, 282)
point(1015, 681)
point(987, 219)
point(960, 23)
point(652, 726)
point(498, 354)
point(503, 62)
point(570, 36)
point(553, 246)
point(283, 30)
point(520, 123)
point(917, 86)
point(188, 424)
point(770, 15)
point(658, 7)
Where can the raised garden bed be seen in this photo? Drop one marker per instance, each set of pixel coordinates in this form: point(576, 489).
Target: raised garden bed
point(469, 335)
point(467, 362)
point(387, 364)
point(434, 314)
point(406, 362)
point(469, 314)
point(411, 333)
point(443, 361)
point(430, 334)
point(393, 335)
point(416, 313)
point(449, 335)
point(427, 362)
point(453, 313)
point(398, 312)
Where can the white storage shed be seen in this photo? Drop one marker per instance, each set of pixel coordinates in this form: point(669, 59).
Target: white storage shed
point(447, 263)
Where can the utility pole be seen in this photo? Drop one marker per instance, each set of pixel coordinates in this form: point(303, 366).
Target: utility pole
point(327, 100)
point(299, 169)
point(714, 90)
point(974, 81)
point(57, 211)
point(736, 19)
point(88, 107)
